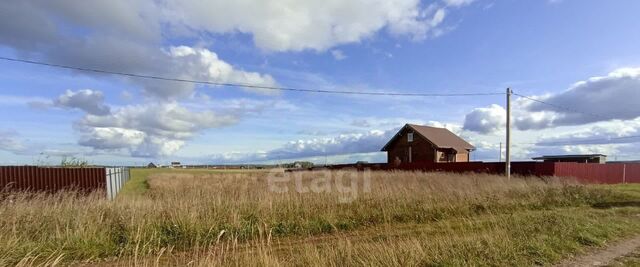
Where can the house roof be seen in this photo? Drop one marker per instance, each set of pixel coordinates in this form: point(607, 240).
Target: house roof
point(585, 156)
point(439, 137)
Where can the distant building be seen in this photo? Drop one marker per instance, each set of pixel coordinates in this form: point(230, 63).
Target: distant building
point(151, 165)
point(175, 164)
point(590, 158)
point(416, 143)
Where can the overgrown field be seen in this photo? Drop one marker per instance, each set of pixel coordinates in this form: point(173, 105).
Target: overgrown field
point(320, 218)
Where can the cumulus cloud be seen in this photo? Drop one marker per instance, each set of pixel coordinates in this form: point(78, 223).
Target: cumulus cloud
point(485, 120)
point(120, 36)
point(274, 25)
point(148, 130)
point(309, 24)
point(153, 129)
point(343, 144)
point(203, 64)
point(87, 100)
point(614, 132)
point(602, 98)
point(597, 99)
point(131, 37)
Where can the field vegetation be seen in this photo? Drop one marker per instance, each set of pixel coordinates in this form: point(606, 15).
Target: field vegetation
point(313, 218)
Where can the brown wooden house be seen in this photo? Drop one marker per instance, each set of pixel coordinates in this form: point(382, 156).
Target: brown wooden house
point(416, 143)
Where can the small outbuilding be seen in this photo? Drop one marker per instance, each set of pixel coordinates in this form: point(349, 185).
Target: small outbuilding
point(417, 143)
point(588, 158)
point(151, 165)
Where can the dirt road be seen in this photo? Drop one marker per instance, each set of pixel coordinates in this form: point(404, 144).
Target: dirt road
point(604, 256)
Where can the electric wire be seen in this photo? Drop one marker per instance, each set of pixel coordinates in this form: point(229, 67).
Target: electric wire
point(255, 86)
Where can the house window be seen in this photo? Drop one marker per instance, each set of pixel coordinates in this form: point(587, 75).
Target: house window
point(409, 137)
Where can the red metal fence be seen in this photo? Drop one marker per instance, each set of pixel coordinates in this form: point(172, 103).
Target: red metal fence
point(632, 173)
point(583, 172)
point(32, 178)
point(591, 172)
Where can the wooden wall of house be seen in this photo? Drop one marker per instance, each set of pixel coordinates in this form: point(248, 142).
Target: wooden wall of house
point(444, 156)
point(462, 157)
point(421, 149)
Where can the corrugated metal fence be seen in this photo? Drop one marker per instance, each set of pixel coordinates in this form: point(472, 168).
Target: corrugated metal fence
point(614, 173)
point(53, 179)
point(116, 177)
point(583, 172)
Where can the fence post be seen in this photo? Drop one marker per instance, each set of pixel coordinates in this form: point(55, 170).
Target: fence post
point(108, 181)
point(119, 179)
point(624, 173)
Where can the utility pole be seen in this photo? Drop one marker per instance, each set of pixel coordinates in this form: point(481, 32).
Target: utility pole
point(500, 153)
point(507, 163)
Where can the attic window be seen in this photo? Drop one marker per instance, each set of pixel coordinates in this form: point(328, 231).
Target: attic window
point(409, 137)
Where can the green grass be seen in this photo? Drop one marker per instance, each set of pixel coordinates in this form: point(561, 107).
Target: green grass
point(407, 219)
point(631, 190)
point(138, 185)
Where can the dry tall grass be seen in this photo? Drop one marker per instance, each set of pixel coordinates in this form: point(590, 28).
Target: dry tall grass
point(213, 213)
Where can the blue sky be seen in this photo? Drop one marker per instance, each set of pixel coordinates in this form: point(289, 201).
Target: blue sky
point(577, 54)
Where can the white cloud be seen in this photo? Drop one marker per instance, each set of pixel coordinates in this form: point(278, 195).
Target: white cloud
point(127, 36)
point(119, 36)
point(289, 25)
point(148, 130)
point(153, 129)
point(203, 64)
point(486, 120)
point(458, 3)
point(338, 54)
point(109, 138)
point(298, 25)
point(87, 100)
point(343, 144)
point(597, 99)
point(613, 132)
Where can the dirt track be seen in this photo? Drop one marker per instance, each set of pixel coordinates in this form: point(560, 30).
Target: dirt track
point(606, 255)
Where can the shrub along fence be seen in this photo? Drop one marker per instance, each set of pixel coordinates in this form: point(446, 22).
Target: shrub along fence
point(53, 179)
point(614, 173)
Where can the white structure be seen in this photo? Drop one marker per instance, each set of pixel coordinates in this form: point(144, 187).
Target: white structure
point(116, 178)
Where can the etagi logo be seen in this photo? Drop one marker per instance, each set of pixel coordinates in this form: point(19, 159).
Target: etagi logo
point(346, 183)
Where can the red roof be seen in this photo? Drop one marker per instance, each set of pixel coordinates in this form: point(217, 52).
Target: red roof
point(439, 137)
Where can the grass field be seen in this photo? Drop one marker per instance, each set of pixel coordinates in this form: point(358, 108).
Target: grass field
point(205, 218)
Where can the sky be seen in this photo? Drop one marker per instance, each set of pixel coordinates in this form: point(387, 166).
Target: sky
point(581, 57)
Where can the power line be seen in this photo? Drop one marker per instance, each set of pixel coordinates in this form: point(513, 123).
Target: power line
point(162, 78)
point(561, 107)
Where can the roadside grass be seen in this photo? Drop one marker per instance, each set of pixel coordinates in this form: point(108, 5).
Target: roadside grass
point(237, 218)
